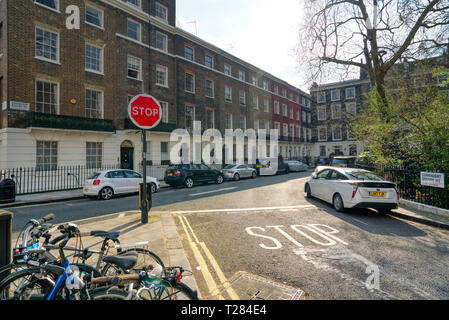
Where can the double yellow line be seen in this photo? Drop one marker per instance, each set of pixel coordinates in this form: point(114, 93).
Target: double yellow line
point(212, 285)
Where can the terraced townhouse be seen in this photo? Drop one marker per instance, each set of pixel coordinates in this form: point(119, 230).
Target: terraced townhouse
point(64, 92)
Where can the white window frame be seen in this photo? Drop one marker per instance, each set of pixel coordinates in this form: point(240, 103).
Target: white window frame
point(101, 71)
point(242, 76)
point(244, 123)
point(165, 49)
point(212, 61)
point(298, 115)
point(334, 128)
point(332, 95)
point(164, 70)
point(57, 45)
point(277, 126)
point(242, 103)
point(276, 107)
point(101, 26)
point(285, 110)
point(321, 108)
point(139, 5)
point(98, 155)
point(52, 166)
point(193, 82)
point(319, 133)
point(336, 111)
point(139, 75)
point(228, 119)
point(101, 106)
point(56, 93)
point(57, 9)
point(228, 92)
point(227, 69)
point(285, 130)
point(292, 114)
point(213, 119)
point(213, 88)
point(266, 105)
point(265, 85)
point(156, 10)
point(256, 102)
point(164, 116)
point(185, 115)
point(256, 125)
point(276, 90)
point(348, 96)
point(351, 106)
point(193, 52)
point(254, 81)
point(139, 30)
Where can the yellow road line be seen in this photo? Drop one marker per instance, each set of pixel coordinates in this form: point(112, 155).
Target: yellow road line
point(210, 282)
point(210, 257)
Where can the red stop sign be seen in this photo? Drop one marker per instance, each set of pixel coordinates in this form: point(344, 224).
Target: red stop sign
point(145, 111)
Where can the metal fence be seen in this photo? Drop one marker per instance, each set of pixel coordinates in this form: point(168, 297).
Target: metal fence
point(33, 180)
point(409, 184)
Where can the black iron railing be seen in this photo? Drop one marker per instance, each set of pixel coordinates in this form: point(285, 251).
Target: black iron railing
point(162, 127)
point(46, 120)
point(409, 184)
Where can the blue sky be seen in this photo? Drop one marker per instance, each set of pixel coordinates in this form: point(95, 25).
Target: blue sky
point(261, 32)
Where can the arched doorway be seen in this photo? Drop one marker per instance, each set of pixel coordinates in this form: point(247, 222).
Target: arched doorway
point(127, 155)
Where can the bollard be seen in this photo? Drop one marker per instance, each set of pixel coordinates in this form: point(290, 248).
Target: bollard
point(149, 196)
point(5, 239)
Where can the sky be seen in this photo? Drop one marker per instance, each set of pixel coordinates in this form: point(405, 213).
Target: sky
point(260, 32)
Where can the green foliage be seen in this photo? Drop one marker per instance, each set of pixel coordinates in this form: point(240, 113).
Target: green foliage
point(412, 128)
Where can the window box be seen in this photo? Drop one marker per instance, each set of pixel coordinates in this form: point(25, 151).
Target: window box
point(45, 120)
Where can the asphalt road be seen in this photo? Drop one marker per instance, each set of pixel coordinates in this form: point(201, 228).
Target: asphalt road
point(167, 199)
point(266, 227)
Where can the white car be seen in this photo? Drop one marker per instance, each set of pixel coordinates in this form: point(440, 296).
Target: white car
point(348, 188)
point(297, 166)
point(106, 184)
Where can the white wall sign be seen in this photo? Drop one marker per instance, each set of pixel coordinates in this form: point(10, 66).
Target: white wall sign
point(21, 106)
point(4, 105)
point(432, 179)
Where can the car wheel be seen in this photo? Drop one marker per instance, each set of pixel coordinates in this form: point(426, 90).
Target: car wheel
point(220, 179)
point(308, 192)
point(287, 171)
point(106, 193)
point(338, 203)
point(254, 175)
point(188, 183)
point(236, 177)
point(153, 188)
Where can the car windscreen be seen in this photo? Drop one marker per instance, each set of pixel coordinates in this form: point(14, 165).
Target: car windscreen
point(343, 161)
point(364, 176)
point(93, 176)
point(229, 166)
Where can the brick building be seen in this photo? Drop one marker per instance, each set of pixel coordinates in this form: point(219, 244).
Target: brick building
point(64, 92)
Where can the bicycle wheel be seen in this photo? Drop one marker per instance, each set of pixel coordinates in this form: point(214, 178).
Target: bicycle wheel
point(108, 294)
point(145, 258)
point(167, 291)
point(26, 285)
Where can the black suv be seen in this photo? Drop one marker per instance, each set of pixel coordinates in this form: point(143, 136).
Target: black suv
point(190, 174)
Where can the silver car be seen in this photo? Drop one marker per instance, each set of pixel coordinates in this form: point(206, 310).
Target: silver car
point(238, 171)
point(297, 166)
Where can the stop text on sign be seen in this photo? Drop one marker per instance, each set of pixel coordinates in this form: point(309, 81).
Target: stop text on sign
point(145, 111)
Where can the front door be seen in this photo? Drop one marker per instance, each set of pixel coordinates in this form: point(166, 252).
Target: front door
point(127, 158)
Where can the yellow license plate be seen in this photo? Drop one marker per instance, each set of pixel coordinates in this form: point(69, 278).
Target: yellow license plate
point(86, 190)
point(259, 166)
point(337, 166)
point(170, 174)
point(378, 194)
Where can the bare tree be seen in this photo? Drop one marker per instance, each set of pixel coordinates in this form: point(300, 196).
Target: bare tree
point(344, 36)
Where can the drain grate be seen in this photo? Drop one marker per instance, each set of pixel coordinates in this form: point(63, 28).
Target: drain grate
point(252, 287)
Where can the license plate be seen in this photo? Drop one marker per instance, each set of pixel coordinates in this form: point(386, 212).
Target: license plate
point(86, 190)
point(337, 166)
point(170, 174)
point(378, 194)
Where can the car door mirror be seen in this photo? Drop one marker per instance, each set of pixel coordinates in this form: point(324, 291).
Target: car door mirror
point(314, 177)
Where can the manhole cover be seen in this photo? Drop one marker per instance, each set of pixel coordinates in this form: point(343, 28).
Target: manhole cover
point(252, 287)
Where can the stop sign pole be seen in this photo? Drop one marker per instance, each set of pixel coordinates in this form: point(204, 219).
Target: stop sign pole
point(145, 112)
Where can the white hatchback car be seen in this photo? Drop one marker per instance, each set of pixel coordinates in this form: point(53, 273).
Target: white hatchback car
point(106, 184)
point(348, 188)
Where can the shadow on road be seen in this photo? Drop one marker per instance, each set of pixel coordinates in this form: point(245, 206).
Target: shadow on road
point(371, 220)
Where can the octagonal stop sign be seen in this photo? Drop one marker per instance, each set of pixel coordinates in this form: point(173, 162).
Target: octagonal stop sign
point(145, 111)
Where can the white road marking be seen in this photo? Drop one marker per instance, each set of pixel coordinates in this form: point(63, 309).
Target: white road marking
point(244, 209)
point(213, 191)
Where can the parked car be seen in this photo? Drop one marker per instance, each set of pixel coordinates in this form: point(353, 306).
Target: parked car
point(297, 166)
point(105, 184)
point(343, 161)
point(322, 162)
point(190, 174)
point(352, 188)
point(237, 171)
point(265, 167)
